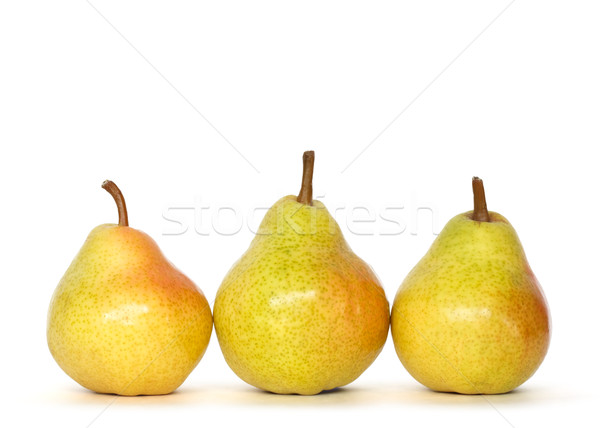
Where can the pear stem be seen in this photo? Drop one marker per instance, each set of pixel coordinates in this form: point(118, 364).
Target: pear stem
point(114, 191)
point(480, 211)
point(306, 191)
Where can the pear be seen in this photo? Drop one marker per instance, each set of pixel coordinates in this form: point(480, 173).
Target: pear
point(471, 316)
point(300, 313)
point(123, 319)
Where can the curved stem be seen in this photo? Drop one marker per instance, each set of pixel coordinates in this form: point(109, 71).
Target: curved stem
point(480, 211)
point(308, 162)
point(114, 191)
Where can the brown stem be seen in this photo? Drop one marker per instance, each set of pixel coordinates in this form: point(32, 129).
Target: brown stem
point(308, 161)
point(114, 191)
point(480, 211)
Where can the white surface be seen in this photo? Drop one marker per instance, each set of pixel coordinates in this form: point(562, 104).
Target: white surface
point(519, 107)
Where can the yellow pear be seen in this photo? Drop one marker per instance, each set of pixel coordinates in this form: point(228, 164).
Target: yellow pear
point(300, 312)
point(123, 319)
point(471, 317)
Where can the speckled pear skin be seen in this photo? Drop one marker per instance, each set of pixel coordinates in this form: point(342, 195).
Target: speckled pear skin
point(300, 313)
point(471, 317)
point(124, 320)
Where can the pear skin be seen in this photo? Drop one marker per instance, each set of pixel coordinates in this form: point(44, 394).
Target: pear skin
point(471, 316)
point(300, 313)
point(123, 319)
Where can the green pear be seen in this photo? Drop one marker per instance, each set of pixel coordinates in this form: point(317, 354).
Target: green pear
point(471, 316)
point(123, 319)
point(300, 312)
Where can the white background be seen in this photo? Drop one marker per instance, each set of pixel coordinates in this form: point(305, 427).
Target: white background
point(84, 98)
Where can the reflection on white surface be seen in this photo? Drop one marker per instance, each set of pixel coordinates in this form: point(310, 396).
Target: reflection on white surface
point(232, 395)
